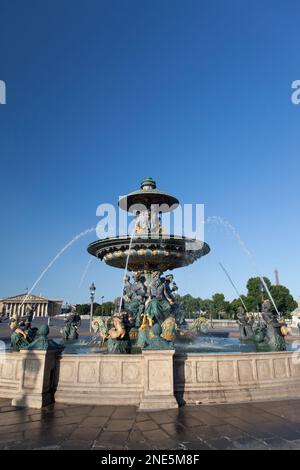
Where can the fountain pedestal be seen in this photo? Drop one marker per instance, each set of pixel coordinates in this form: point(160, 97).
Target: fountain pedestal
point(158, 393)
point(37, 378)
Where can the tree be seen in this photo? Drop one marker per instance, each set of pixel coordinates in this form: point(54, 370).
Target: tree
point(256, 293)
point(108, 307)
point(191, 305)
point(83, 309)
point(283, 299)
point(220, 305)
point(98, 311)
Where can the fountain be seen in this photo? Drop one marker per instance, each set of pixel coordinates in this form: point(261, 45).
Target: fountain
point(148, 252)
point(161, 370)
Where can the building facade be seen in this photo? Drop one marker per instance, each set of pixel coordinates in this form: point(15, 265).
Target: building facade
point(11, 306)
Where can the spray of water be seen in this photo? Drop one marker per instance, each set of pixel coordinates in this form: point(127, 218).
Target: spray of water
point(56, 257)
point(233, 285)
point(85, 272)
point(127, 261)
point(224, 223)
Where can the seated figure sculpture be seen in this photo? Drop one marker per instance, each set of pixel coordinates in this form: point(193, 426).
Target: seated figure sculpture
point(19, 337)
point(118, 337)
point(72, 324)
point(42, 342)
point(159, 304)
point(275, 328)
point(135, 295)
point(22, 334)
point(156, 340)
point(178, 308)
point(245, 325)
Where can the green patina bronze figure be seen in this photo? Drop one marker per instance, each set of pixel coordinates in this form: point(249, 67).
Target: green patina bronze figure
point(134, 297)
point(155, 339)
point(159, 304)
point(119, 340)
point(42, 342)
point(71, 329)
point(245, 323)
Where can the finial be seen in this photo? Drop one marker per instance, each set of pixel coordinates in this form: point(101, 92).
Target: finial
point(148, 183)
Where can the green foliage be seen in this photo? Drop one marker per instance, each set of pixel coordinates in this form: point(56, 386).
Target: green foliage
point(83, 309)
point(256, 293)
point(108, 307)
point(283, 299)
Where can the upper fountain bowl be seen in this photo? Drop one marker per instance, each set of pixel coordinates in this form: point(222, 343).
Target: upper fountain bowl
point(149, 253)
point(148, 195)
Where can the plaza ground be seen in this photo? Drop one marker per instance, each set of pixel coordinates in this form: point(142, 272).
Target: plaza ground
point(271, 425)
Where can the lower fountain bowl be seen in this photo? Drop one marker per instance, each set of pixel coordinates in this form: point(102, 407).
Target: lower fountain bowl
point(149, 253)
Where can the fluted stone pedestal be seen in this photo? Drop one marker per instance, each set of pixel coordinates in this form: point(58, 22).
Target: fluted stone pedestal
point(158, 391)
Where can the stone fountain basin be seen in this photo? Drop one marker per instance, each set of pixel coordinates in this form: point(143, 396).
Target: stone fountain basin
point(148, 380)
point(153, 253)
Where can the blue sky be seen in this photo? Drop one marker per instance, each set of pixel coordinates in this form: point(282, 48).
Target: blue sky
point(100, 94)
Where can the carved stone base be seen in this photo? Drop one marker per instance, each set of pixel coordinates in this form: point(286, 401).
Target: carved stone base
point(158, 391)
point(37, 380)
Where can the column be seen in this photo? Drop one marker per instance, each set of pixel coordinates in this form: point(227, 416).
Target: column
point(42, 313)
point(46, 310)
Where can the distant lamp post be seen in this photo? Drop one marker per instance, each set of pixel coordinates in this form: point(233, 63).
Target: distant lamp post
point(102, 297)
point(92, 297)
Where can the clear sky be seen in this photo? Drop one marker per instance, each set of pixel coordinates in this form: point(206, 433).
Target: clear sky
point(100, 94)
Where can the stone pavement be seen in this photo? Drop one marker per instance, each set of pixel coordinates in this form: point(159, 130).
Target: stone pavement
point(270, 425)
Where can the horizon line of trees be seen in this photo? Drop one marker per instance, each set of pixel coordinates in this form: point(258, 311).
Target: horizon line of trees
point(217, 306)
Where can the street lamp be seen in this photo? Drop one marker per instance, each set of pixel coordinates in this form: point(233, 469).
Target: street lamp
point(102, 297)
point(92, 296)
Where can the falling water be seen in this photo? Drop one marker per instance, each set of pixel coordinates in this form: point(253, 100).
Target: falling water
point(85, 272)
point(70, 243)
point(126, 265)
point(233, 285)
point(228, 225)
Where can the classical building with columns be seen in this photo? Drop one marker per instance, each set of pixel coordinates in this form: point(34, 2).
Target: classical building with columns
point(17, 305)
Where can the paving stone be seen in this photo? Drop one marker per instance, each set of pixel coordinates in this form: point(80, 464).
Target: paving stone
point(160, 417)
point(111, 437)
point(195, 445)
point(206, 418)
point(148, 425)
point(221, 444)
point(84, 433)
point(6, 420)
point(102, 411)
point(249, 444)
point(78, 410)
point(11, 437)
point(76, 444)
point(141, 417)
point(206, 432)
point(227, 430)
point(124, 412)
point(119, 425)
point(94, 421)
point(156, 435)
point(277, 443)
point(179, 432)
